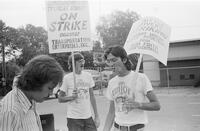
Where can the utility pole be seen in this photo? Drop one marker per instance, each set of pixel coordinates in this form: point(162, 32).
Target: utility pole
point(3, 79)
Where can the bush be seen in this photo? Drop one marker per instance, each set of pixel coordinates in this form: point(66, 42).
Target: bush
point(11, 70)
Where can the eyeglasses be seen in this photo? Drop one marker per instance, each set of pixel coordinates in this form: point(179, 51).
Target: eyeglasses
point(82, 61)
point(112, 60)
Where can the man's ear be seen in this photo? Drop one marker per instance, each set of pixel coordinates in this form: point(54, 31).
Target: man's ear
point(124, 60)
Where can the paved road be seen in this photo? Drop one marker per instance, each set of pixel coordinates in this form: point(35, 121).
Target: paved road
point(180, 111)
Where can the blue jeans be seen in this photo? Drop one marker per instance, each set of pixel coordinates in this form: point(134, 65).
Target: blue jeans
point(81, 124)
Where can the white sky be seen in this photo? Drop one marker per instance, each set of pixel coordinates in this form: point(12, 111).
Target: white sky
point(182, 15)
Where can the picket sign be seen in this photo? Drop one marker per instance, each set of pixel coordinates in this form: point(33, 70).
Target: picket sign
point(150, 36)
point(139, 63)
point(68, 26)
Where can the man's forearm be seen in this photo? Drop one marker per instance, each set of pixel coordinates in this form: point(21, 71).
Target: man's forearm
point(152, 106)
point(65, 99)
point(94, 106)
point(109, 121)
point(93, 102)
point(110, 117)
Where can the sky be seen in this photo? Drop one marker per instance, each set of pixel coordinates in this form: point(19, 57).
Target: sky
point(182, 15)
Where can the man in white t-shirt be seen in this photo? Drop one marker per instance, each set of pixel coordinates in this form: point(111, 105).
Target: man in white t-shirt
point(130, 94)
point(79, 100)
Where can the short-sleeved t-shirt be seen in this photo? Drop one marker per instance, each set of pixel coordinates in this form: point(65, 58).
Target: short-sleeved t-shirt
point(122, 88)
point(81, 108)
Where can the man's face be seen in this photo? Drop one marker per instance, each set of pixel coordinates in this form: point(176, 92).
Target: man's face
point(115, 62)
point(46, 91)
point(79, 64)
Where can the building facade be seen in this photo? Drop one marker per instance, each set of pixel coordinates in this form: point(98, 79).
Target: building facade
point(183, 66)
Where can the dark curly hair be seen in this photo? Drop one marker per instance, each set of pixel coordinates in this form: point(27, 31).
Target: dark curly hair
point(39, 71)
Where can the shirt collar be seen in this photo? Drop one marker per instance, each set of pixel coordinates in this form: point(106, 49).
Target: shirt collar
point(23, 100)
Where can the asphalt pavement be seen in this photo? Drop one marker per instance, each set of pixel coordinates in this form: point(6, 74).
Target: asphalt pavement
point(180, 110)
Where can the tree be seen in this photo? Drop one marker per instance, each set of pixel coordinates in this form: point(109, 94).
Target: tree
point(88, 56)
point(11, 71)
point(8, 49)
point(8, 37)
point(115, 27)
point(62, 58)
point(32, 41)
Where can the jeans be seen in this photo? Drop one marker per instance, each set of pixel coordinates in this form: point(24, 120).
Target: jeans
point(81, 124)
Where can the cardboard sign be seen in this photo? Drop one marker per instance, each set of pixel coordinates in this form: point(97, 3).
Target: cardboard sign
point(149, 36)
point(68, 26)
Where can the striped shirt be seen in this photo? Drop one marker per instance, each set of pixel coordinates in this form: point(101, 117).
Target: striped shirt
point(17, 113)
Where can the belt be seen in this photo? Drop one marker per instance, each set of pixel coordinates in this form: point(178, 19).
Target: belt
point(133, 127)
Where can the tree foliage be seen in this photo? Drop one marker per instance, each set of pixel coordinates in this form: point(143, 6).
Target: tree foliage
point(32, 41)
point(11, 70)
point(8, 37)
point(88, 56)
point(62, 58)
point(114, 28)
point(29, 41)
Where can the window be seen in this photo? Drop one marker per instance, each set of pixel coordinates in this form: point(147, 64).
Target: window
point(182, 77)
point(170, 78)
point(192, 76)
